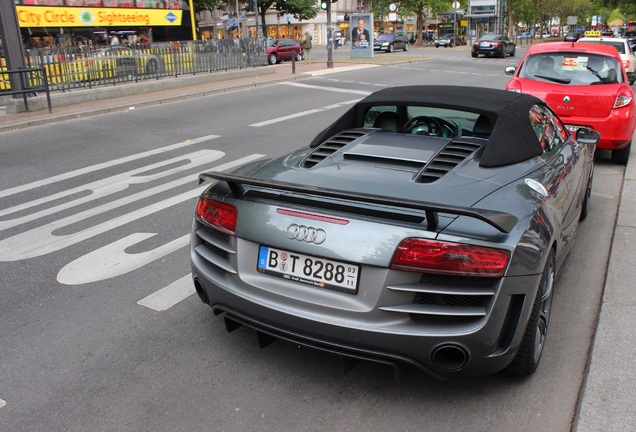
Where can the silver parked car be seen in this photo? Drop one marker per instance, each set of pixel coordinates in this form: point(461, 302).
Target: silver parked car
point(425, 227)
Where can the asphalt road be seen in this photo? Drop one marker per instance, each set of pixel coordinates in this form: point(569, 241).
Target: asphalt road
point(99, 327)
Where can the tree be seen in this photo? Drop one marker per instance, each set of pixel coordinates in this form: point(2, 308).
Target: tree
point(299, 9)
point(208, 5)
point(420, 8)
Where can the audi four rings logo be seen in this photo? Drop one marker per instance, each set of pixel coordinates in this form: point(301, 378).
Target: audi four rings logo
point(306, 234)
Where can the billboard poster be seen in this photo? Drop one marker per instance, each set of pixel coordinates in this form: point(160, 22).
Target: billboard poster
point(361, 36)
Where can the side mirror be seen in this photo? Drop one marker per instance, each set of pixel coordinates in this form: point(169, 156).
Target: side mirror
point(510, 70)
point(587, 136)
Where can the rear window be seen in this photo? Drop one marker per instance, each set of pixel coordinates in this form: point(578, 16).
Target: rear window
point(572, 69)
point(619, 45)
point(462, 121)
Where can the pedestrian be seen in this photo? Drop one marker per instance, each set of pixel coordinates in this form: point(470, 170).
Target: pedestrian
point(114, 40)
point(305, 44)
point(336, 39)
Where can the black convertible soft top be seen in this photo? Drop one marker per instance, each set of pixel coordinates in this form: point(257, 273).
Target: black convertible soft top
point(512, 138)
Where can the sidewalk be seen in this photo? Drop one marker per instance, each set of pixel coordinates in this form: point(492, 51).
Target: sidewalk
point(80, 103)
point(608, 393)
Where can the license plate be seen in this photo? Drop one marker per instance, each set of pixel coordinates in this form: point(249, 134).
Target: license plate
point(485, 44)
point(310, 270)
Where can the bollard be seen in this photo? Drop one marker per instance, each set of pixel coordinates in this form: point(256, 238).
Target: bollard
point(293, 61)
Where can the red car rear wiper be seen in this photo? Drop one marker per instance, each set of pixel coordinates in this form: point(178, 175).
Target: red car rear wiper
point(555, 79)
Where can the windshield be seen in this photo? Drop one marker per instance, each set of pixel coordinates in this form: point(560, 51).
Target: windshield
point(384, 37)
point(271, 42)
point(572, 68)
point(490, 37)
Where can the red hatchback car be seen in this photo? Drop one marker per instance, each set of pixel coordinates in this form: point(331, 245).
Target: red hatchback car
point(586, 85)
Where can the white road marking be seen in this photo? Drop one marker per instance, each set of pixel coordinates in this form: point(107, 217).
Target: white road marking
point(303, 113)
point(111, 163)
point(323, 88)
point(107, 186)
point(2, 403)
point(112, 260)
point(341, 69)
point(170, 295)
point(41, 240)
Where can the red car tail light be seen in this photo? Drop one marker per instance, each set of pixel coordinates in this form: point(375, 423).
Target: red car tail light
point(626, 63)
point(514, 86)
point(432, 256)
point(217, 215)
point(623, 99)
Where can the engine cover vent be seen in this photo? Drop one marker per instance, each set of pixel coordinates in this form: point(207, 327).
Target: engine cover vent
point(448, 158)
point(331, 146)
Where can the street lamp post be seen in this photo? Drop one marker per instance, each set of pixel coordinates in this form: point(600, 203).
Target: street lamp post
point(329, 37)
point(455, 7)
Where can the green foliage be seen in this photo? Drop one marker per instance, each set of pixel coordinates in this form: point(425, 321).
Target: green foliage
point(209, 5)
point(299, 9)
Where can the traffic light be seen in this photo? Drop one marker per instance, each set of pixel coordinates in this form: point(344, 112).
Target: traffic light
point(250, 6)
point(323, 5)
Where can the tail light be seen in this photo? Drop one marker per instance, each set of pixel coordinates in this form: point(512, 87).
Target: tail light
point(217, 215)
point(432, 256)
point(514, 86)
point(626, 63)
point(624, 98)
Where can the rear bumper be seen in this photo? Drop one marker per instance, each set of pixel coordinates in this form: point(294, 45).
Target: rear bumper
point(616, 130)
point(481, 347)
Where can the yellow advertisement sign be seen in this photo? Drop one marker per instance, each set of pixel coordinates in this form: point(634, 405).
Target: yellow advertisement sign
point(48, 16)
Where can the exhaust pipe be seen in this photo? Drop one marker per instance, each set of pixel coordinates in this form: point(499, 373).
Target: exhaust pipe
point(198, 286)
point(449, 357)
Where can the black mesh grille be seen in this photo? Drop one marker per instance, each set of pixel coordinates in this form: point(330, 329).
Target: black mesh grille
point(221, 237)
point(450, 300)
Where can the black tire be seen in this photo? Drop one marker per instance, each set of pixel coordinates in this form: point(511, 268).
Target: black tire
point(299, 57)
point(529, 354)
point(474, 55)
point(585, 207)
point(152, 67)
point(621, 157)
point(514, 51)
point(272, 59)
point(390, 49)
point(406, 47)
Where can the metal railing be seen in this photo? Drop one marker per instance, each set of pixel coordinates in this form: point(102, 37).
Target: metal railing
point(32, 81)
point(67, 68)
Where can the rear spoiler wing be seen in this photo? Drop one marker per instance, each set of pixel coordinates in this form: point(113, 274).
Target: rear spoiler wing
point(503, 222)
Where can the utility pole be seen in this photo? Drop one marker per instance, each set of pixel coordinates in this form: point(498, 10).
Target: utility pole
point(11, 42)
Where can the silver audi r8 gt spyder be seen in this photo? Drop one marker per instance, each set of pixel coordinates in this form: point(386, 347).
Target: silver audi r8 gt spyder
point(424, 227)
